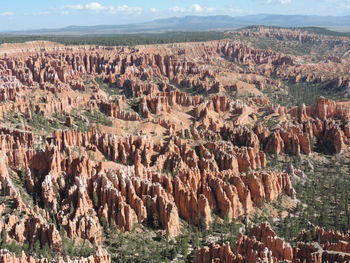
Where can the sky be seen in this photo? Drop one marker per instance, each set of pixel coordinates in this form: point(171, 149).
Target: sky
point(37, 14)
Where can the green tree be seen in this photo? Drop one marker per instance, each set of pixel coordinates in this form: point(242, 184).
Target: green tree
point(3, 236)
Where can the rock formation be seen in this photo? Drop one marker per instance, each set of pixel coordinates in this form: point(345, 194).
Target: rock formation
point(164, 136)
point(101, 256)
point(263, 245)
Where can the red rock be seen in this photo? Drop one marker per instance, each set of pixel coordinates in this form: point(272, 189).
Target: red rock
point(200, 156)
point(101, 256)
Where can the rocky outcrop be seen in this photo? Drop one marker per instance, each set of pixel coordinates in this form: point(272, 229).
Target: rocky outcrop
point(329, 240)
point(101, 256)
point(242, 54)
point(124, 201)
point(323, 109)
point(115, 110)
point(31, 226)
point(216, 253)
point(126, 196)
point(263, 245)
point(285, 34)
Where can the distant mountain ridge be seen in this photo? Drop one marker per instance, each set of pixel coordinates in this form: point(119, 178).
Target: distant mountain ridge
point(201, 23)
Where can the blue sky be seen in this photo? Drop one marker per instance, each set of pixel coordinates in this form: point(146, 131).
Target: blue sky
point(33, 14)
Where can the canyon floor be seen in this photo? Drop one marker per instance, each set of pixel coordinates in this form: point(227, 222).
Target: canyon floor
point(233, 150)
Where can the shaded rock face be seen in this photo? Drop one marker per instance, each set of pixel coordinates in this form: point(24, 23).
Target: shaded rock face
point(316, 125)
point(263, 245)
point(318, 122)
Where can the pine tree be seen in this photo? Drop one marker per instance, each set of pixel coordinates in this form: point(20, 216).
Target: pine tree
point(95, 199)
point(3, 236)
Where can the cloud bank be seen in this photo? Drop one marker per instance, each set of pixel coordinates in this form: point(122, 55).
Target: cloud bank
point(95, 6)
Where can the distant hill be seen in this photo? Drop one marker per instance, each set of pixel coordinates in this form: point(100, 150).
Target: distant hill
point(201, 23)
point(309, 29)
point(325, 31)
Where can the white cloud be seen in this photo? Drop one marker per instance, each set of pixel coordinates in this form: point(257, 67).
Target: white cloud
point(200, 9)
point(197, 8)
point(154, 10)
point(282, 2)
point(124, 9)
point(285, 2)
point(90, 6)
point(95, 6)
point(7, 14)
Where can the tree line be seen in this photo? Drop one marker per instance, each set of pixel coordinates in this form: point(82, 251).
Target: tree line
point(118, 39)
